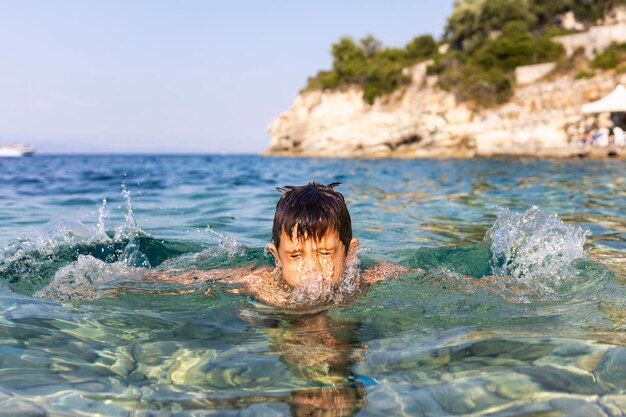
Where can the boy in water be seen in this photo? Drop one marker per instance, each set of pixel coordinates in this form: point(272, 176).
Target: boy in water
point(314, 252)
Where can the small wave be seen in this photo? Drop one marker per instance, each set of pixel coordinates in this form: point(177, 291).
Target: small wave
point(85, 279)
point(35, 258)
point(63, 232)
point(227, 244)
point(536, 249)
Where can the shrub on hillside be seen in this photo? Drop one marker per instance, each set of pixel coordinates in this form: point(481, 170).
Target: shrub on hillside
point(610, 57)
point(421, 48)
point(582, 74)
point(367, 64)
point(485, 76)
point(472, 22)
point(488, 39)
point(515, 47)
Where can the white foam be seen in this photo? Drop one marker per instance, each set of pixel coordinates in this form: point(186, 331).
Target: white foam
point(536, 248)
point(316, 290)
point(82, 279)
point(129, 228)
point(100, 227)
point(60, 231)
point(85, 279)
point(226, 244)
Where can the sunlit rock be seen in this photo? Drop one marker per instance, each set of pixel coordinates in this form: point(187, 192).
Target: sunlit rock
point(612, 369)
point(421, 120)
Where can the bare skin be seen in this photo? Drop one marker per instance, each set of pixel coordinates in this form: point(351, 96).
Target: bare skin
point(298, 261)
point(299, 258)
point(320, 264)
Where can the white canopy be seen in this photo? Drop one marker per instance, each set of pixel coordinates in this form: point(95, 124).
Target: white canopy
point(615, 102)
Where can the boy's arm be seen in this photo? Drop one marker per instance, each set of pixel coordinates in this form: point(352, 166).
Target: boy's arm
point(257, 283)
point(177, 276)
point(386, 270)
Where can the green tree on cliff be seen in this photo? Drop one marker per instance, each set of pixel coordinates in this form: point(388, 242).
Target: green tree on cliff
point(488, 39)
point(377, 70)
point(473, 22)
point(348, 61)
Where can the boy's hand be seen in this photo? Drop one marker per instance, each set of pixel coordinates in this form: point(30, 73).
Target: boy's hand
point(385, 270)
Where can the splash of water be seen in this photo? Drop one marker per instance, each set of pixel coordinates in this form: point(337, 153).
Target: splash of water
point(30, 259)
point(100, 227)
point(535, 248)
point(61, 231)
point(351, 280)
point(129, 228)
point(83, 280)
point(315, 289)
point(226, 243)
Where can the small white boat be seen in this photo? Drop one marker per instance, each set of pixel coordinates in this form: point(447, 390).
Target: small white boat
point(15, 150)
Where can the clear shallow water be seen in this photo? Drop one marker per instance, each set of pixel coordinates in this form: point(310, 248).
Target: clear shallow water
point(79, 335)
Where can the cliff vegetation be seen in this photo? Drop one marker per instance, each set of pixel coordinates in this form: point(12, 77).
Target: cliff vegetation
point(484, 41)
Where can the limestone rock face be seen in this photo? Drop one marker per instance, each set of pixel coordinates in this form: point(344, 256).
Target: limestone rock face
point(597, 38)
point(425, 121)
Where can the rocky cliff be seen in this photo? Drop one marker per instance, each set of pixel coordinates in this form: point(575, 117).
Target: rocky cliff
point(424, 121)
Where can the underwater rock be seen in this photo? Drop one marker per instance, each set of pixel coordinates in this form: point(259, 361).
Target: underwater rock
point(394, 399)
point(496, 347)
point(13, 407)
point(612, 369)
point(155, 353)
point(615, 405)
point(442, 356)
point(120, 362)
point(556, 379)
point(470, 368)
point(591, 362)
point(171, 362)
point(92, 386)
point(553, 408)
point(470, 396)
point(512, 349)
point(513, 386)
point(566, 364)
point(264, 409)
point(421, 403)
point(573, 348)
point(577, 408)
point(453, 399)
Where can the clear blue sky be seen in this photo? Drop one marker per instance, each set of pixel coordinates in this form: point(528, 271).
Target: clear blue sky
point(183, 76)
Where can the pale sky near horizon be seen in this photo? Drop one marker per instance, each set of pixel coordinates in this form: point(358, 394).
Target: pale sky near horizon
point(160, 76)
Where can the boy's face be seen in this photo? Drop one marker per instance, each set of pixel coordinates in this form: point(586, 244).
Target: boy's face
point(303, 259)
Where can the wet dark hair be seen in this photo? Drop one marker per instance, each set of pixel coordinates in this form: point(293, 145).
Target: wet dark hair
point(314, 208)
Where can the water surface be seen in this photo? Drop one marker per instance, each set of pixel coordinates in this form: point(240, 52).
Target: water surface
point(80, 336)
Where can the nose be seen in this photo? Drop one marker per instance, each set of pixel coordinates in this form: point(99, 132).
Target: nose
point(312, 263)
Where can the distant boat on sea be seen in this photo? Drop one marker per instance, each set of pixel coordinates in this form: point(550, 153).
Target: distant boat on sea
point(15, 150)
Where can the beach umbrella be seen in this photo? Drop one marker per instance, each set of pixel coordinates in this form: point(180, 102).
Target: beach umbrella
point(614, 102)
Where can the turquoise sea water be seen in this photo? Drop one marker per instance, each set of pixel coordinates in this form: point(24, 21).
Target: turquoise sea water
point(80, 335)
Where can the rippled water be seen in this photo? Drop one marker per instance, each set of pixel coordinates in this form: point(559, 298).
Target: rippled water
point(538, 328)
